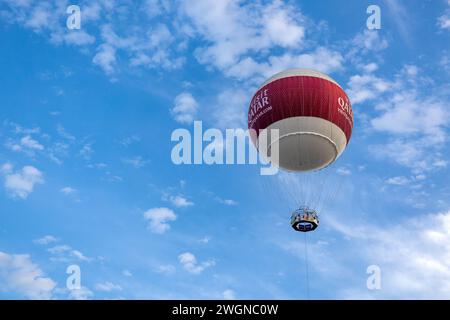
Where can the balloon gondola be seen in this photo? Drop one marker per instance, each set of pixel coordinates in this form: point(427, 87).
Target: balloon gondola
point(304, 219)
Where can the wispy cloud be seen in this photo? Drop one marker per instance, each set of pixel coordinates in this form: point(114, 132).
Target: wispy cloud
point(398, 181)
point(127, 141)
point(166, 269)
point(185, 108)
point(107, 286)
point(64, 134)
point(178, 201)
point(444, 20)
point(26, 144)
point(159, 218)
point(233, 36)
point(127, 273)
point(229, 294)
point(343, 171)
point(86, 151)
point(136, 162)
point(20, 275)
point(83, 293)
point(64, 253)
point(409, 271)
point(402, 18)
point(19, 184)
point(227, 202)
point(190, 264)
point(45, 240)
point(68, 191)
point(204, 240)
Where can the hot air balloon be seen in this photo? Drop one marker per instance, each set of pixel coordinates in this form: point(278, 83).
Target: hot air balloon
point(314, 119)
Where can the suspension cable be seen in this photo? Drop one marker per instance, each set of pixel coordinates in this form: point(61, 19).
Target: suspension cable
point(306, 266)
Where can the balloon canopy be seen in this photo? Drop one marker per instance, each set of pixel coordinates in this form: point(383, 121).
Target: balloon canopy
point(312, 113)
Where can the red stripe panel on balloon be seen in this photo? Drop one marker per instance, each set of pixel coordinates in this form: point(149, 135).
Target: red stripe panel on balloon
point(300, 96)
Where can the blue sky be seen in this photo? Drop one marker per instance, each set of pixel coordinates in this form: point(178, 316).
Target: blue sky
point(87, 178)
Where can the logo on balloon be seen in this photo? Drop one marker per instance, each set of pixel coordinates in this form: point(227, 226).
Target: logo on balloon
point(259, 106)
point(345, 109)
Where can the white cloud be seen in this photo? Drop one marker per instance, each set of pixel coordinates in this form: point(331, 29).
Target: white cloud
point(185, 108)
point(107, 286)
point(75, 37)
point(99, 166)
point(178, 201)
point(151, 47)
point(204, 240)
point(44, 18)
point(159, 219)
point(63, 133)
point(45, 240)
point(420, 177)
point(166, 269)
point(365, 46)
point(366, 87)
point(412, 153)
point(231, 109)
point(281, 25)
point(18, 274)
point(228, 36)
point(322, 59)
point(227, 202)
point(18, 129)
point(370, 67)
point(58, 151)
point(137, 162)
point(68, 190)
point(229, 294)
point(410, 111)
point(398, 181)
point(406, 113)
point(78, 255)
point(30, 143)
point(40, 17)
point(127, 273)
point(86, 151)
point(343, 171)
point(127, 141)
point(445, 62)
point(80, 294)
point(105, 58)
point(190, 264)
point(234, 30)
point(411, 70)
point(159, 37)
point(402, 18)
point(91, 11)
point(7, 168)
point(419, 267)
point(59, 249)
point(417, 127)
point(110, 177)
point(444, 20)
point(21, 183)
point(369, 40)
point(65, 253)
point(154, 8)
point(26, 144)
